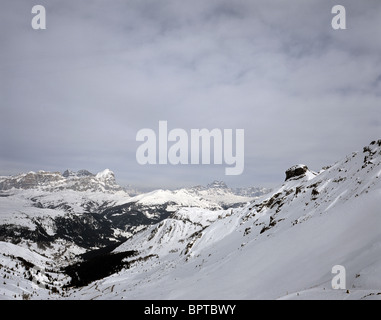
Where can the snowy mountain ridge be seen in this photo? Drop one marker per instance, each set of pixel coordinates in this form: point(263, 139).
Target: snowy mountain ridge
point(281, 245)
point(74, 212)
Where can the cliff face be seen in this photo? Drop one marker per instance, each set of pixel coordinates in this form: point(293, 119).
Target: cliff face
point(30, 180)
point(82, 180)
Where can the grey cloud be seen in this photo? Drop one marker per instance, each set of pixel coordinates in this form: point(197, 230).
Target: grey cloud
point(75, 94)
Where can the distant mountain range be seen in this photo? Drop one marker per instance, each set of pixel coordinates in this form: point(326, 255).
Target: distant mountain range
point(87, 211)
point(84, 180)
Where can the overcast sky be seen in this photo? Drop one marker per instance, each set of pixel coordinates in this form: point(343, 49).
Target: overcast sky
point(75, 95)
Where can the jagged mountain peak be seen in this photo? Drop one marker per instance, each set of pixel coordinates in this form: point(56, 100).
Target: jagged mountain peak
point(106, 174)
point(68, 173)
point(216, 184)
point(76, 174)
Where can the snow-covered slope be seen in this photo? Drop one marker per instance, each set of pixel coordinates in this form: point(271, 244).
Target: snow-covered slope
point(152, 207)
point(86, 211)
point(213, 199)
point(282, 245)
point(26, 274)
point(59, 215)
point(218, 192)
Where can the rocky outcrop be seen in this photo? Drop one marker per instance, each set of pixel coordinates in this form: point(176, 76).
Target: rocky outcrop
point(296, 172)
